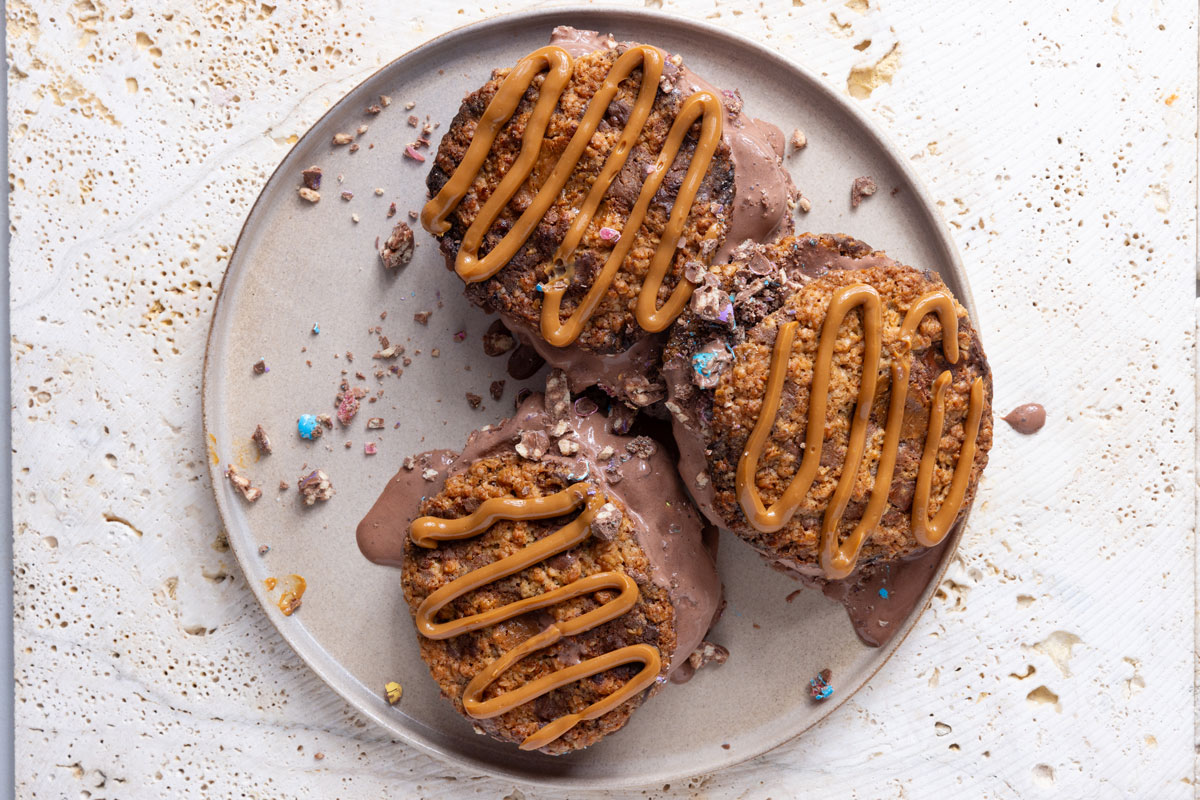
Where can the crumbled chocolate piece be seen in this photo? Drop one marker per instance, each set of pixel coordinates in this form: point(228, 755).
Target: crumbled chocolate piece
point(410, 105)
point(642, 446)
point(397, 251)
point(568, 447)
point(694, 271)
point(558, 396)
point(242, 484)
point(497, 340)
point(710, 302)
point(862, 187)
point(496, 389)
point(391, 212)
point(389, 350)
point(342, 138)
point(409, 462)
point(261, 440)
point(799, 140)
point(264, 549)
point(284, 486)
point(429, 474)
point(643, 391)
point(311, 178)
point(310, 195)
point(361, 130)
point(607, 522)
point(559, 429)
point(413, 120)
point(315, 486)
point(422, 317)
point(347, 196)
point(620, 418)
point(524, 362)
point(708, 653)
point(374, 109)
point(385, 100)
point(326, 420)
point(532, 445)
point(260, 367)
point(474, 400)
point(375, 423)
point(709, 363)
point(434, 353)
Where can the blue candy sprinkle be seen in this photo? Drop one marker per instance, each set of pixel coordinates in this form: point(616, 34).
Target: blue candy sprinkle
point(819, 688)
point(883, 593)
point(703, 363)
point(306, 425)
point(316, 327)
point(540, 288)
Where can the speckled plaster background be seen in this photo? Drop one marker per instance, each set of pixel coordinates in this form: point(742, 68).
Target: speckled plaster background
point(1058, 658)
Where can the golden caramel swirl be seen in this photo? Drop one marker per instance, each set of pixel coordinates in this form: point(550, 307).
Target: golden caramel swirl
point(557, 64)
point(427, 531)
point(839, 556)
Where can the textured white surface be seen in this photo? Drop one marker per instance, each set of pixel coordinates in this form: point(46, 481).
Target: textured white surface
point(1058, 658)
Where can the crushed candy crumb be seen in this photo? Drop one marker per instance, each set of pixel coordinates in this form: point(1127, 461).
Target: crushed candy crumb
point(820, 687)
point(392, 691)
point(310, 195)
point(369, 448)
point(308, 427)
point(242, 484)
point(261, 440)
point(315, 486)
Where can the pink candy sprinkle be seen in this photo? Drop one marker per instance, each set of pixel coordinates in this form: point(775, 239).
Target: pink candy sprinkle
point(609, 234)
point(458, 337)
point(412, 153)
point(369, 448)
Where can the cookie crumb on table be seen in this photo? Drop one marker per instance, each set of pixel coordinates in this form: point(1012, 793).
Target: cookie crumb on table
point(862, 188)
point(397, 251)
point(315, 486)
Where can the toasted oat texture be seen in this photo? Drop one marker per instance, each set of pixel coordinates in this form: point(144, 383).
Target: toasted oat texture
point(716, 421)
point(513, 290)
point(453, 662)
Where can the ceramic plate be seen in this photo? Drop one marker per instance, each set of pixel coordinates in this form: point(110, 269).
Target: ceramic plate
point(297, 265)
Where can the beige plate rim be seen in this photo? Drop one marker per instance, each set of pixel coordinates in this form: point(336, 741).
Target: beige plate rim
point(592, 17)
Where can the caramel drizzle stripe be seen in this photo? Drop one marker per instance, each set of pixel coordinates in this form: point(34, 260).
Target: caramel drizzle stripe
point(426, 531)
point(472, 268)
point(838, 557)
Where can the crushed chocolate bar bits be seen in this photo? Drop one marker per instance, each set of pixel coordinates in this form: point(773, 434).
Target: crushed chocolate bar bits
point(422, 317)
point(342, 138)
point(261, 440)
point(799, 140)
point(385, 100)
point(284, 485)
point(369, 448)
point(325, 420)
point(347, 196)
point(242, 484)
point(413, 153)
point(409, 462)
point(410, 105)
point(375, 423)
point(391, 212)
point(435, 352)
point(861, 188)
point(558, 396)
point(568, 447)
point(373, 109)
point(708, 653)
point(397, 251)
point(496, 390)
point(642, 447)
point(607, 522)
point(354, 147)
point(264, 549)
point(474, 400)
point(315, 486)
point(308, 194)
point(260, 367)
point(311, 178)
point(620, 418)
point(429, 474)
point(392, 691)
point(413, 121)
point(497, 340)
point(532, 445)
point(361, 130)
point(348, 403)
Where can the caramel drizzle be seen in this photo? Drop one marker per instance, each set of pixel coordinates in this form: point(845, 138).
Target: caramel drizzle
point(838, 557)
point(428, 531)
point(557, 64)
